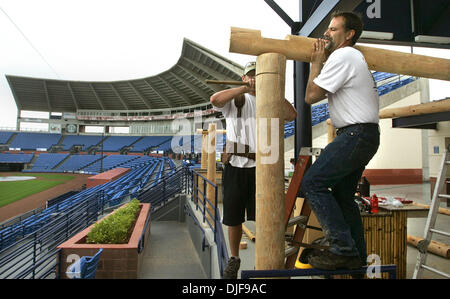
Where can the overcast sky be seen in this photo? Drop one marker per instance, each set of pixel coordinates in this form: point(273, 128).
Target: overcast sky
point(99, 40)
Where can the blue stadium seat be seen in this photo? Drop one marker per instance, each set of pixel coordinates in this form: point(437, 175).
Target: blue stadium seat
point(85, 267)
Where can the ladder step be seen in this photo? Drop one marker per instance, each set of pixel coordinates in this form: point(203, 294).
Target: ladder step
point(290, 251)
point(297, 220)
point(444, 196)
point(435, 271)
point(440, 232)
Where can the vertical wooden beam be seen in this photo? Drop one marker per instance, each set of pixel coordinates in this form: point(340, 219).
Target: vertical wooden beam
point(270, 205)
point(211, 172)
point(204, 161)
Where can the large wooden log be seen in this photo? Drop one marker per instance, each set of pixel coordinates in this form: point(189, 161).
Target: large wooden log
point(435, 247)
point(431, 107)
point(270, 205)
point(211, 172)
point(249, 41)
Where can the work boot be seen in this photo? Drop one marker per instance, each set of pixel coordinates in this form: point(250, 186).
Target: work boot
point(232, 268)
point(327, 260)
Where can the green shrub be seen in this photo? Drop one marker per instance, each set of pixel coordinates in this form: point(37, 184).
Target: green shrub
point(115, 228)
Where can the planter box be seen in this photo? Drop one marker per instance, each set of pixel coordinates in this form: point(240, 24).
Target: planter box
point(116, 260)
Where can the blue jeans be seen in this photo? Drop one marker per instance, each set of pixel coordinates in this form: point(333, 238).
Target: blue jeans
point(329, 187)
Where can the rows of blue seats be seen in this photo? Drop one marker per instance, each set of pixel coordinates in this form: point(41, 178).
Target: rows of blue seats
point(32, 141)
point(113, 193)
point(5, 136)
point(77, 162)
point(149, 142)
point(84, 140)
point(46, 161)
point(16, 158)
point(108, 163)
point(115, 143)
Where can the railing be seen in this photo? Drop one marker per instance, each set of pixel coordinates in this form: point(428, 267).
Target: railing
point(35, 256)
point(209, 211)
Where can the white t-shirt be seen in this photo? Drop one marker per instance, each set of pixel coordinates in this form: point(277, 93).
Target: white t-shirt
point(352, 91)
point(247, 134)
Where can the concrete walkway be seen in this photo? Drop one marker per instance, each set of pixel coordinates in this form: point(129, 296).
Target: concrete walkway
point(170, 253)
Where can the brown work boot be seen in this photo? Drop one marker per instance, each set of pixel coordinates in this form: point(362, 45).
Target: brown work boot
point(232, 268)
point(327, 260)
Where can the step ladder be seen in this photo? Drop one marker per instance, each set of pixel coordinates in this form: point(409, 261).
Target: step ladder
point(431, 221)
point(295, 241)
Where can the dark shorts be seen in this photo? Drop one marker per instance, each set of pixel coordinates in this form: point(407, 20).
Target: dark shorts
point(239, 185)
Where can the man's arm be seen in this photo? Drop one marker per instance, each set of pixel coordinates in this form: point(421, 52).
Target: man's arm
point(315, 93)
point(221, 98)
point(289, 111)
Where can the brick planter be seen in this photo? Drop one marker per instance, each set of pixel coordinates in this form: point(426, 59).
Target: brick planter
point(116, 260)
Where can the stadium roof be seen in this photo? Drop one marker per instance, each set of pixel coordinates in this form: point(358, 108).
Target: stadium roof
point(181, 86)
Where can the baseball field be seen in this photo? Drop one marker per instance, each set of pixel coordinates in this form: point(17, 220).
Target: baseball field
point(11, 191)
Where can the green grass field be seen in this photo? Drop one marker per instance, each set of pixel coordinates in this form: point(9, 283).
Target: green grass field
point(13, 191)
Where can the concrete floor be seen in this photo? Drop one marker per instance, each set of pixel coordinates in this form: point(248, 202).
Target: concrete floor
point(171, 254)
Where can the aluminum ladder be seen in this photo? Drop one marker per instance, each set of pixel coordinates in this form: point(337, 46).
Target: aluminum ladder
point(431, 221)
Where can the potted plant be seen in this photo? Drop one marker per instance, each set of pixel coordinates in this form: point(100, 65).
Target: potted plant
point(123, 235)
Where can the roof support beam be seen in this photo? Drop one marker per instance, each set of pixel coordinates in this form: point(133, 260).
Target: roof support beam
point(46, 96)
point(73, 95)
point(96, 96)
point(316, 25)
point(119, 96)
point(139, 94)
point(200, 79)
point(178, 92)
point(159, 93)
point(194, 88)
point(206, 69)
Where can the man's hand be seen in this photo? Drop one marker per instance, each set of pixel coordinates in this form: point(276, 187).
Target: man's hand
point(251, 85)
point(319, 53)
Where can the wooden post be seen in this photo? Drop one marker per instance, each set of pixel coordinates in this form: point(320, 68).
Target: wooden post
point(204, 161)
point(211, 172)
point(249, 41)
point(270, 205)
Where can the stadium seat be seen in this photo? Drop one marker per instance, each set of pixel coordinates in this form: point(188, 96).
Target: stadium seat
point(85, 267)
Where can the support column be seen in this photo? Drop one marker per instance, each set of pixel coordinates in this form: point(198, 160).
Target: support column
point(204, 160)
point(270, 205)
point(211, 172)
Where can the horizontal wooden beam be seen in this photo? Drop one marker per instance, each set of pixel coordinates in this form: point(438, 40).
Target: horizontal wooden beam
point(426, 108)
point(250, 42)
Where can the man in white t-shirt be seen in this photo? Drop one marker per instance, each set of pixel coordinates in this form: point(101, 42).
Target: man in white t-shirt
point(238, 179)
point(339, 71)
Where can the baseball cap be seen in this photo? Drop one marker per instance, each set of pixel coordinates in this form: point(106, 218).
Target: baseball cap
point(250, 67)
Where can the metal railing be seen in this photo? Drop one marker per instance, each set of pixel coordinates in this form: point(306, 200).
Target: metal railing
point(209, 209)
point(35, 256)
